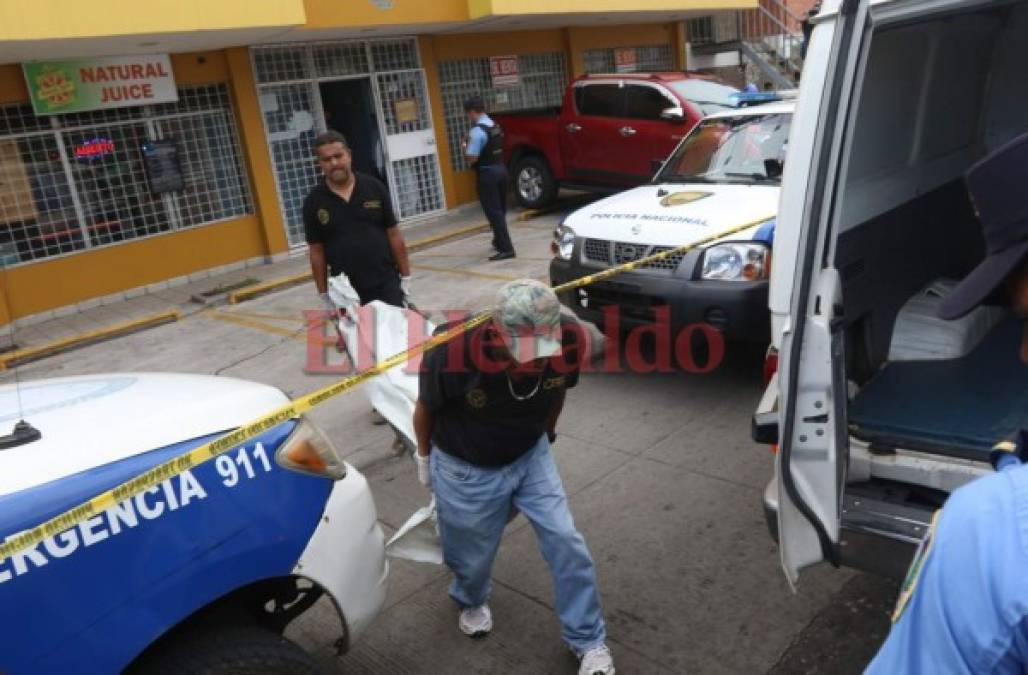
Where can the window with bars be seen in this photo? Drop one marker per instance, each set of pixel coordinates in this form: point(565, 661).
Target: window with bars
point(543, 78)
point(652, 58)
point(76, 181)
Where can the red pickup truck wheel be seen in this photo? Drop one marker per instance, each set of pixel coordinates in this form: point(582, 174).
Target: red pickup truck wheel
point(534, 184)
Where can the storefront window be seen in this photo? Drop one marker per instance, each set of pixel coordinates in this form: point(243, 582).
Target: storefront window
point(541, 82)
point(73, 182)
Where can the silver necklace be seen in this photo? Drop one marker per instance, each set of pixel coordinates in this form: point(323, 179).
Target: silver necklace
point(510, 386)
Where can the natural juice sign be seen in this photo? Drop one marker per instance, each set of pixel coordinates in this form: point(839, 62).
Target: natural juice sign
point(91, 84)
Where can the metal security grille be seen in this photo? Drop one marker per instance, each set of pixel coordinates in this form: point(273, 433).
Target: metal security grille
point(336, 60)
point(289, 77)
point(289, 125)
point(542, 81)
point(418, 188)
point(394, 55)
point(607, 253)
point(650, 58)
point(77, 181)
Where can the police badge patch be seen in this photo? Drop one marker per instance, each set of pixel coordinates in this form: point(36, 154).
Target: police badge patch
point(476, 398)
point(323, 216)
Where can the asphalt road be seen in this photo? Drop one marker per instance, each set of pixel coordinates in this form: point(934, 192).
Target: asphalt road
point(663, 481)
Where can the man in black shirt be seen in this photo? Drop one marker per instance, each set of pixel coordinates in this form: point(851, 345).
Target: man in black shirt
point(350, 228)
point(486, 414)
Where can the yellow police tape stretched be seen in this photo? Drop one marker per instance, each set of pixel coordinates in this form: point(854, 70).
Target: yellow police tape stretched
point(196, 456)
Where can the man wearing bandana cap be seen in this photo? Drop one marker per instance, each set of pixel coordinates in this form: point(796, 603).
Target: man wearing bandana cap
point(965, 609)
point(486, 414)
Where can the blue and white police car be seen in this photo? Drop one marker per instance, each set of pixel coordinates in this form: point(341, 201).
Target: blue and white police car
point(725, 173)
point(201, 573)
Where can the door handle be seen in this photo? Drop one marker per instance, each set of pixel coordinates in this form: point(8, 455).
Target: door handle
point(572, 128)
point(627, 131)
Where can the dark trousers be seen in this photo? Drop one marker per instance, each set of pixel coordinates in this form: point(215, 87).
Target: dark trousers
point(492, 194)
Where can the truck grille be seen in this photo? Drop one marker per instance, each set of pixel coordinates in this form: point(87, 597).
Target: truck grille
point(620, 252)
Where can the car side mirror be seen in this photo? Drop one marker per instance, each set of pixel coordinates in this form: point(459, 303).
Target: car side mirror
point(673, 114)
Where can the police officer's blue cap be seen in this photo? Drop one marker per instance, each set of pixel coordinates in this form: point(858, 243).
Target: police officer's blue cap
point(996, 185)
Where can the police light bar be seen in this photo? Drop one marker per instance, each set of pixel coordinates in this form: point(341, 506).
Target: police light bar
point(741, 99)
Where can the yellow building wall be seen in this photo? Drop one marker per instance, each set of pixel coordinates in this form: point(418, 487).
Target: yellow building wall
point(357, 13)
point(46, 284)
point(74, 278)
point(483, 8)
point(63, 19)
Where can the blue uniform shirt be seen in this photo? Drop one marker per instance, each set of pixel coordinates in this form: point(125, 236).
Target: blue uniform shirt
point(968, 612)
point(477, 138)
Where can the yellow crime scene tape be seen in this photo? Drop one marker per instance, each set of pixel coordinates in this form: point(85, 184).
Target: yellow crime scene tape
point(171, 468)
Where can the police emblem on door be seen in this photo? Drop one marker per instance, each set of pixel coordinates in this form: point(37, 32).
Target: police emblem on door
point(679, 198)
point(323, 216)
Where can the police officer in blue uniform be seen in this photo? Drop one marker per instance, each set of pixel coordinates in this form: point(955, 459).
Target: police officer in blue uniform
point(484, 152)
point(964, 605)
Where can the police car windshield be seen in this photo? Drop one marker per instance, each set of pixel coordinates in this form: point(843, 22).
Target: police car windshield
point(711, 97)
point(744, 149)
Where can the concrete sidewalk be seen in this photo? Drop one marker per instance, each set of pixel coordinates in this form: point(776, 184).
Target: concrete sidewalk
point(178, 294)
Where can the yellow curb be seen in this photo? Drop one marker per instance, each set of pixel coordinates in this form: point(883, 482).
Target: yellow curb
point(251, 292)
point(82, 339)
point(573, 202)
point(235, 297)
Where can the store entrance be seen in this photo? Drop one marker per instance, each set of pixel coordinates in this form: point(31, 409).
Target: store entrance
point(349, 108)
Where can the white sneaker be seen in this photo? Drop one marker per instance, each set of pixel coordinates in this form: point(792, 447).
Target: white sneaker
point(597, 661)
point(476, 621)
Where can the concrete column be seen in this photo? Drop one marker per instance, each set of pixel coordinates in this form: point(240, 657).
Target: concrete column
point(255, 150)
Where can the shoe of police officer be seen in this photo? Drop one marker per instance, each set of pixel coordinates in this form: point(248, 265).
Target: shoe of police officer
point(503, 255)
point(376, 418)
point(476, 621)
point(597, 661)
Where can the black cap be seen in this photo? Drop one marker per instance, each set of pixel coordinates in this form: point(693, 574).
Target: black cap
point(996, 185)
point(474, 103)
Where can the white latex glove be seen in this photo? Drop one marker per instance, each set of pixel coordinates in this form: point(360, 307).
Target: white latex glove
point(405, 287)
point(327, 303)
point(424, 474)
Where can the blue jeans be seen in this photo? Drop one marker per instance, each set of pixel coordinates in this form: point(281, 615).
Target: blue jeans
point(474, 505)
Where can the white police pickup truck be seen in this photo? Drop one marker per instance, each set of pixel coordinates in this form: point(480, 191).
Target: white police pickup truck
point(725, 173)
point(199, 574)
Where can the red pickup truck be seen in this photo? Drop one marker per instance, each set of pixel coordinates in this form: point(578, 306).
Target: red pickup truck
point(612, 132)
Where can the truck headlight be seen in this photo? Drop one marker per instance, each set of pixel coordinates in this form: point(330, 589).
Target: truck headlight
point(563, 242)
point(736, 261)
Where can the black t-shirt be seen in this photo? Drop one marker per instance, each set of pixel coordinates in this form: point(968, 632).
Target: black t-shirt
point(476, 417)
point(354, 233)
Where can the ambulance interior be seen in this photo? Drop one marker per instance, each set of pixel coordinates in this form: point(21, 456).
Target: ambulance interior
point(938, 93)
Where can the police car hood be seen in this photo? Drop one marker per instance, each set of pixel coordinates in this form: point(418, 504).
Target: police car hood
point(676, 214)
point(94, 420)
